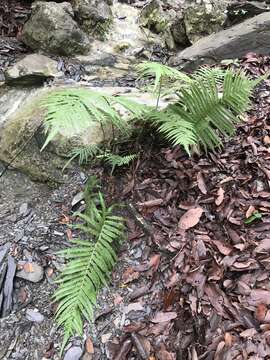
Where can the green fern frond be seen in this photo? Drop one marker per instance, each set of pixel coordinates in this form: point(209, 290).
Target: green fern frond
point(88, 269)
point(210, 104)
point(160, 73)
point(71, 111)
point(84, 153)
point(116, 160)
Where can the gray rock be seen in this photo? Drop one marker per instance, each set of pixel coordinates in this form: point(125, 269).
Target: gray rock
point(24, 210)
point(94, 16)
point(227, 44)
point(18, 127)
point(204, 18)
point(74, 353)
point(52, 28)
point(36, 274)
point(154, 18)
point(32, 69)
point(34, 315)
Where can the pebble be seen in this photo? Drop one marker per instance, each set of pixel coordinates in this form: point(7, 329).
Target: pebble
point(77, 198)
point(74, 353)
point(34, 315)
point(24, 210)
point(105, 338)
point(35, 275)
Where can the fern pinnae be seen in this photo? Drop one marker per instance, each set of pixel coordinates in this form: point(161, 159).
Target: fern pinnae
point(89, 264)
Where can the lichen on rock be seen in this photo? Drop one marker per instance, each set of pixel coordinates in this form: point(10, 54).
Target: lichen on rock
point(52, 28)
point(203, 18)
point(94, 16)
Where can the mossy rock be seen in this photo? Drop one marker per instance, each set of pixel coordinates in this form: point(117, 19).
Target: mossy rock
point(22, 137)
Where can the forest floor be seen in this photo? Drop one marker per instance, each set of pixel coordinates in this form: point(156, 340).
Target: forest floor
point(192, 280)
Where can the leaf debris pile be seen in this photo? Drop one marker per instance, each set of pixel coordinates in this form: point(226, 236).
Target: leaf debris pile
point(196, 285)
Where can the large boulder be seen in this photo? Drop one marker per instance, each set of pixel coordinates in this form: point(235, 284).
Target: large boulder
point(22, 135)
point(32, 69)
point(251, 35)
point(94, 16)
point(52, 28)
point(167, 22)
point(204, 17)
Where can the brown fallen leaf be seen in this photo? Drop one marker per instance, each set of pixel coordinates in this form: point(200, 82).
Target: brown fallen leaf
point(201, 183)
point(130, 275)
point(222, 247)
point(220, 196)
point(164, 316)
point(49, 271)
point(89, 346)
point(266, 140)
point(248, 333)
point(154, 262)
point(124, 350)
point(165, 355)
point(250, 211)
point(260, 312)
point(142, 345)
point(137, 306)
point(69, 234)
point(263, 246)
point(259, 296)
point(190, 218)
point(151, 203)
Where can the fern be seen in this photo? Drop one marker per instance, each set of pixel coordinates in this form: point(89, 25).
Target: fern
point(117, 160)
point(207, 108)
point(71, 111)
point(95, 152)
point(160, 73)
point(88, 269)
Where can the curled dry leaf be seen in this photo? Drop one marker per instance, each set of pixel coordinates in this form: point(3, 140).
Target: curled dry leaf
point(220, 196)
point(260, 312)
point(154, 262)
point(164, 316)
point(190, 218)
point(201, 183)
point(130, 275)
point(223, 248)
point(165, 355)
point(151, 203)
point(142, 345)
point(250, 211)
point(259, 296)
point(89, 346)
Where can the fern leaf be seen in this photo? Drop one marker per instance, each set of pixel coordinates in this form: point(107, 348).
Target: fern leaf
point(88, 268)
point(211, 105)
point(116, 160)
point(71, 111)
point(160, 72)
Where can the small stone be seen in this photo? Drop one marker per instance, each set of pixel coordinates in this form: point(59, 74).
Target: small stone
point(74, 353)
point(35, 275)
point(77, 198)
point(24, 210)
point(43, 248)
point(34, 315)
point(105, 338)
point(32, 69)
